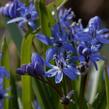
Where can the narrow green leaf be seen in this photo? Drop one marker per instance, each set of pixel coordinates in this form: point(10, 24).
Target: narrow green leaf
point(47, 98)
point(100, 101)
point(44, 19)
point(94, 81)
point(82, 101)
point(107, 86)
point(58, 3)
point(26, 80)
point(38, 94)
point(14, 94)
point(15, 34)
point(5, 63)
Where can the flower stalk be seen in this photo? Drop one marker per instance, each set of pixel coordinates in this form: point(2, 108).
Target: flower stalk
point(82, 91)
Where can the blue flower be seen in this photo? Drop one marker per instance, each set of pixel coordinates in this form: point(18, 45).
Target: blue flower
point(36, 67)
point(62, 68)
point(3, 92)
point(27, 15)
point(11, 9)
point(95, 23)
point(3, 73)
point(90, 40)
point(65, 17)
point(89, 54)
point(59, 42)
point(36, 104)
point(95, 31)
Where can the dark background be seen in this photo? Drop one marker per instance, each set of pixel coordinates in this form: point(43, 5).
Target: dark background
point(86, 9)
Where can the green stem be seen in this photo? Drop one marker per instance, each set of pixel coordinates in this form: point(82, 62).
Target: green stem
point(66, 107)
point(82, 90)
point(51, 85)
point(107, 85)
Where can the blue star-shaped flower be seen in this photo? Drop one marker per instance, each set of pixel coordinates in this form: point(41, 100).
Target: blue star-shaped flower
point(61, 68)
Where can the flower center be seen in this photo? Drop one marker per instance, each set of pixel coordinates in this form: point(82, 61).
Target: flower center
point(28, 16)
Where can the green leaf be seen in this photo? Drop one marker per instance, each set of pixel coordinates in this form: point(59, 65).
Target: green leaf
point(44, 19)
point(15, 35)
point(100, 101)
point(58, 3)
point(107, 85)
point(38, 95)
point(9, 104)
point(14, 94)
point(6, 64)
point(26, 80)
point(48, 99)
point(94, 79)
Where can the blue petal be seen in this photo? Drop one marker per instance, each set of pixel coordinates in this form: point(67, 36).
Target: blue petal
point(22, 70)
point(21, 24)
point(81, 58)
point(95, 22)
point(96, 57)
point(37, 59)
point(30, 69)
point(71, 72)
point(74, 59)
point(1, 81)
point(95, 65)
point(104, 30)
point(32, 24)
point(103, 39)
point(18, 19)
point(51, 72)
point(44, 39)
point(69, 47)
point(4, 72)
point(49, 54)
point(58, 77)
point(83, 36)
point(38, 70)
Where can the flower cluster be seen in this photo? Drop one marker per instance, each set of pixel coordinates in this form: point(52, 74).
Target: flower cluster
point(73, 48)
point(19, 13)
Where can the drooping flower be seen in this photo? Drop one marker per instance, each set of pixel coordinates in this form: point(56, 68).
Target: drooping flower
point(36, 67)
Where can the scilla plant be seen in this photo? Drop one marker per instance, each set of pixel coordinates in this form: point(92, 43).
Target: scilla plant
point(59, 63)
